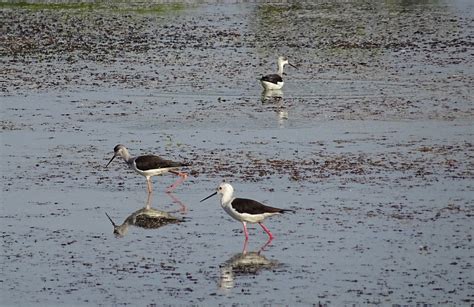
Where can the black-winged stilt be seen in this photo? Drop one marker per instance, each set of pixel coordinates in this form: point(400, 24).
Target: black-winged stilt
point(245, 210)
point(150, 165)
point(275, 81)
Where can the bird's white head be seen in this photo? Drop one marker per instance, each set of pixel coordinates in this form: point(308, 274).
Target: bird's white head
point(120, 151)
point(224, 189)
point(282, 61)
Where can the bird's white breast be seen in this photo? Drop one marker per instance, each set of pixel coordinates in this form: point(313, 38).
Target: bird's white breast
point(272, 86)
point(250, 218)
point(151, 172)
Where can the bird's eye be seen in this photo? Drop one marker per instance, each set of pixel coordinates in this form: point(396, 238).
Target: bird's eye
point(220, 188)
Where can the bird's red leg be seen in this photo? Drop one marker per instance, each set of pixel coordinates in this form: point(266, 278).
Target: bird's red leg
point(267, 231)
point(245, 231)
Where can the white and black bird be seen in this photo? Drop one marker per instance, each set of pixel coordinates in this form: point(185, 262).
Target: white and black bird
point(151, 165)
point(275, 81)
point(245, 210)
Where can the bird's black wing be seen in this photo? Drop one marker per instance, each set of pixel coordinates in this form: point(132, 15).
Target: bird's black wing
point(152, 162)
point(250, 206)
point(273, 78)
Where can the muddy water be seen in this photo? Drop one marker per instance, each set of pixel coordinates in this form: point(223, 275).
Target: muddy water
point(370, 142)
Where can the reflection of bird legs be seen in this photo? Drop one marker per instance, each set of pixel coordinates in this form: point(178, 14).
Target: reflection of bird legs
point(175, 200)
point(246, 244)
point(264, 245)
point(148, 201)
point(182, 177)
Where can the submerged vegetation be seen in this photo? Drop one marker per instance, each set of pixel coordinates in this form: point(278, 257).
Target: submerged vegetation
point(137, 7)
point(49, 6)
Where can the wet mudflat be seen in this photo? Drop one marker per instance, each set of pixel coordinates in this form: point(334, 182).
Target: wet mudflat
point(370, 141)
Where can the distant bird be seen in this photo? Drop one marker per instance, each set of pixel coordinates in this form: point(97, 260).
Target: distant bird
point(245, 210)
point(150, 165)
point(275, 81)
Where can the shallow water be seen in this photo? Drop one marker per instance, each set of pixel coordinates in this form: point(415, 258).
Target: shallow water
point(370, 142)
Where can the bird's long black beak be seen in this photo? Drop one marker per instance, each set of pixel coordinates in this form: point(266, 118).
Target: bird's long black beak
point(208, 197)
point(111, 160)
point(110, 220)
point(292, 65)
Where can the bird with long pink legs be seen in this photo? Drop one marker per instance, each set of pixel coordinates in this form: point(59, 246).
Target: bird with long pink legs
point(245, 210)
point(151, 165)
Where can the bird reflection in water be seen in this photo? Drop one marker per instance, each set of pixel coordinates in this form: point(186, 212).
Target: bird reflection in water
point(244, 263)
point(182, 206)
point(272, 96)
point(276, 97)
point(146, 217)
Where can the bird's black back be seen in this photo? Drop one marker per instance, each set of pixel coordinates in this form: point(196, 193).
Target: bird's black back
point(250, 206)
point(273, 78)
point(152, 162)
